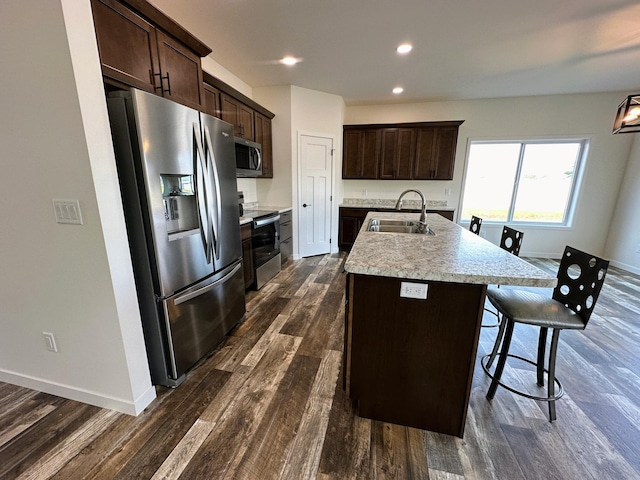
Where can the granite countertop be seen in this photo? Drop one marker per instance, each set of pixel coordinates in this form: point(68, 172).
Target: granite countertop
point(454, 254)
point(391, 203)
point(277, 209)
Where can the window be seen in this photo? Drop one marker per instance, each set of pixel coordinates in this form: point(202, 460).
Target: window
point(522, 182)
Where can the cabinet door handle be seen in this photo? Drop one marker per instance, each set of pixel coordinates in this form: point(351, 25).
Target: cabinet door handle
point(153, 80)
point(305, 205)
point(168, 90)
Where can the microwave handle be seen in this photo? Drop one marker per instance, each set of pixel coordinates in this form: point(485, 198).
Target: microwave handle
point(259, 166)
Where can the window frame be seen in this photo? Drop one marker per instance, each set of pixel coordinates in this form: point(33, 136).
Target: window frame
point(574, 192)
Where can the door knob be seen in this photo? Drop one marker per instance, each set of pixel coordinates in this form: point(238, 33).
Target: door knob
point(306, 205)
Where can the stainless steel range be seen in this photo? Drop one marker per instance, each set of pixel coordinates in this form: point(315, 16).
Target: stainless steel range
point(265, 242)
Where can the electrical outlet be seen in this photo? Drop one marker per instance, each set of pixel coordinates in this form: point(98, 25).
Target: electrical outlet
point(50, 341)
point(414, 290)
point(447, 191)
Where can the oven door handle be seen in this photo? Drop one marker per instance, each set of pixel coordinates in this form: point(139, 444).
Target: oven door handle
point(266, 221)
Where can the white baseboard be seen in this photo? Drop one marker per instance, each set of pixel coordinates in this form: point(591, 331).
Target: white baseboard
point(555, 256)
point(626, 267)
point(99, 400)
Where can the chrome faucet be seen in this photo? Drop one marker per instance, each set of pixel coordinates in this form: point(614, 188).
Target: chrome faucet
point(423, 208)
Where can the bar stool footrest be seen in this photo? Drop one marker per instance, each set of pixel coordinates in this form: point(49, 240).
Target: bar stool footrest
point(484, 360)
point(491, 325)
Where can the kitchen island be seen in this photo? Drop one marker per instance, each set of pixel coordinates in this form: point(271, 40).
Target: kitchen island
point(413, 316)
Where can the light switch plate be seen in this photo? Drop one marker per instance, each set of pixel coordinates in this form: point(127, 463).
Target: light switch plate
point(67, 211)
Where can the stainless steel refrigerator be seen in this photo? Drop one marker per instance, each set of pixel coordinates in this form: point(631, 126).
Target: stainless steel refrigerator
point(176, 168)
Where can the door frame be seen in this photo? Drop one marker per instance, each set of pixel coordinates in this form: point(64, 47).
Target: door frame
point(296, 208)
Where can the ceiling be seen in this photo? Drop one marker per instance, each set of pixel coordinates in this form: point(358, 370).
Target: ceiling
point(463, 49)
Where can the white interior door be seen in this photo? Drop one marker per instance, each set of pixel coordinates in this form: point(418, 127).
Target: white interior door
point(316, 160)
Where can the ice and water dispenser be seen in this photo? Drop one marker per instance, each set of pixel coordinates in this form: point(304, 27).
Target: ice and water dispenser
point(180, 205)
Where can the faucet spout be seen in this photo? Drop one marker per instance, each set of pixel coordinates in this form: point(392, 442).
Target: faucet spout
point(423, 207)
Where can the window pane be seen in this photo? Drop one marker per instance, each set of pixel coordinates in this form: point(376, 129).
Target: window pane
point(545, 182)
point(491, 172)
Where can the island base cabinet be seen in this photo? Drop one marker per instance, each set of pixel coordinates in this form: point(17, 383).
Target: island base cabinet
point(410, 361)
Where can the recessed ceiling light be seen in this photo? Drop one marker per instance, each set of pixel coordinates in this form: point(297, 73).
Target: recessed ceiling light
point(404, 48)
point(289, 60)
point(398, 90)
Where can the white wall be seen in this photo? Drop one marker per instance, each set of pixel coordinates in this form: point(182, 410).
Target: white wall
point(276, 191)
point(298, 110)
point(318, 113)
point(517, 118)
point(623, 244)
point(73, 281)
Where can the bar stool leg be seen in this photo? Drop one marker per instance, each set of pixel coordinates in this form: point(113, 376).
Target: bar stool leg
point(496, 345)
point(552, 373)
point(542, 345)
point(506, 342)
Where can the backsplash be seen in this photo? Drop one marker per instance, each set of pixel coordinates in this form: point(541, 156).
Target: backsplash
point(390, 203)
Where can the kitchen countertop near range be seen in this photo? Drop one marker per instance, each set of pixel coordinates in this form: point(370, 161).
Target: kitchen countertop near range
point(247, 218)
point(453, 255)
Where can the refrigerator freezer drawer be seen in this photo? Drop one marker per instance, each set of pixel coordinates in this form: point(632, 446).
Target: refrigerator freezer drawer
point(198, 319)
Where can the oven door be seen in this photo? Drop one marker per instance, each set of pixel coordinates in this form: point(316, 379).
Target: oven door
point(265, 239)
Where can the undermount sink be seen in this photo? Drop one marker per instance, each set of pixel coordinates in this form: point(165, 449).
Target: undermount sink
point(397, 226)
point(398, 223)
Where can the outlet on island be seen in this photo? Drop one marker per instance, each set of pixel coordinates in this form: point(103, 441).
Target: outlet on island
point(414, 290)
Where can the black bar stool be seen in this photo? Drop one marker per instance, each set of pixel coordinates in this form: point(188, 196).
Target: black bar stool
point(580, 279)
point(511, 241)
point(474, 226)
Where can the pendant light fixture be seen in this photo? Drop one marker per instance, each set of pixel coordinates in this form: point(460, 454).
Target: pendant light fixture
point(628, 117)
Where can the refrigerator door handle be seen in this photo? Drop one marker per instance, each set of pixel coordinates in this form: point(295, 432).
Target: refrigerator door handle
point(201, 291)
point(204, 204)
point(216, 178)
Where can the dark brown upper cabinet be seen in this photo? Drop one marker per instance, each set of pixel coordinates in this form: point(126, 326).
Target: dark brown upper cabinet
point(250, 119)
point(239, 115)
point(361, 153)
point(262, 132)
point(141, 47)
point(397, 153)
point(435, 153)
point(211, 101)
point(404, 151)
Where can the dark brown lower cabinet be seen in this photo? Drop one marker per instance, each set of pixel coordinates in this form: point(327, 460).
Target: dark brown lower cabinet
point(286, 236)
point(411, 361)
point(247, 255)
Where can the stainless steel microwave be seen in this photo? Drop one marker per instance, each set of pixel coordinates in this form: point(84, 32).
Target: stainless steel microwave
point(248, 158)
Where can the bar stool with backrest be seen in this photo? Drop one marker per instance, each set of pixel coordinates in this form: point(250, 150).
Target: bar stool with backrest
point(476, 223)
point(580, 279)
point(511, 241)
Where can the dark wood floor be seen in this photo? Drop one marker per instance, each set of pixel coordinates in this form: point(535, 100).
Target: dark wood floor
point(269, 404)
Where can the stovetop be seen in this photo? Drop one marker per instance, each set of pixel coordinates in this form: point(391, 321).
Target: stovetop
point(259, 213)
